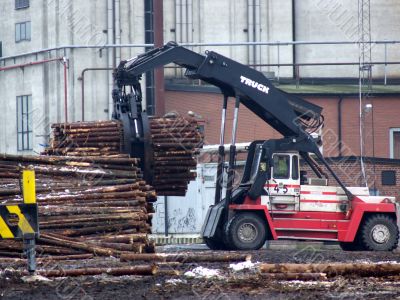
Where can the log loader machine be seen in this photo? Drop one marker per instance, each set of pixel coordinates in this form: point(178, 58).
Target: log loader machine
point(274, 200)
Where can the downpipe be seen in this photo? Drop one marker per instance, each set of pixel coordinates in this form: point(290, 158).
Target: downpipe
point(65, 63)
point(110, 53)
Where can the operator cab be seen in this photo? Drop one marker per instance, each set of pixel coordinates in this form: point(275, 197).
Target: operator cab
point(280, 176)
point(255, 163)
point(285, 167)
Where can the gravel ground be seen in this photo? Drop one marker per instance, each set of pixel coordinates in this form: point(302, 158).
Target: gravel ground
point(228, 284)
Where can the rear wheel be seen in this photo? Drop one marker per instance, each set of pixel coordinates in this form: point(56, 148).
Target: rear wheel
point(379, 233)
point(246, 231)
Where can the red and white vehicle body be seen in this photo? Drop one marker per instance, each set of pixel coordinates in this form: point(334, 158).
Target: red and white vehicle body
point(315, 211)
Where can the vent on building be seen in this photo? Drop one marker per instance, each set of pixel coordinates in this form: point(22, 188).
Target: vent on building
point(388, 177)
point(21, 4)
point(209, 178)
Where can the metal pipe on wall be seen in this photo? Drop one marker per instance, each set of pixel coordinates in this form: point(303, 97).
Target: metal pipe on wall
point(216, 44)
point(63, 60)
point(110, 52)
point(189, 12)
point(82, 78)
point(250, 30)
point(166, 216)
point(158, 25)
point(65, 63)
point(341, 97)
point(257, 31)
point(178, 21)
point(117, 30)
point(33, 63)
point(294, 36)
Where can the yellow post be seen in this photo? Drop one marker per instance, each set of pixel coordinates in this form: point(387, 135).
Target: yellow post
point(28, 186)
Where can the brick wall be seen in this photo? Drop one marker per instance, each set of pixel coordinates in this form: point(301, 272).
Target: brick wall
point(386, 110)
point(348, 169)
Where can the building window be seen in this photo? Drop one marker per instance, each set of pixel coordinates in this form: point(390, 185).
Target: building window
point(1, 49)
point(295, 167)
point(23, 31)
point(394, 136)
point(388, 177)
point(24, 123)
point(21, 4)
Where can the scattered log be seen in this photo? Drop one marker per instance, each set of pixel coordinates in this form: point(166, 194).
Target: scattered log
point(295, 276)
point(41, 260)
point(100, 251)
point(335, 269)
point(121, 271)
point(184, 258)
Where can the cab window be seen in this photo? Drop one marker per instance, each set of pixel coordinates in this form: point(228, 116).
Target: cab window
point(281, 166)
point(295, 167)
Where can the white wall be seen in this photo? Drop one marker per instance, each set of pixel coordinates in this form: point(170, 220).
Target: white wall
point(320, 20)
point(187, 214)
point(56, 23)
point(69, 22)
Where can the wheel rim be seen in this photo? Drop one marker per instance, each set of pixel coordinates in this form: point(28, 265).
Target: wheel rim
point(380, 233)
point(247, 232)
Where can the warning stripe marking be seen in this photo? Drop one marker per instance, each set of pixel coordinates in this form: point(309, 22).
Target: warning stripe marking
point(286, 185)
point(23, 223)
point(317, 193)
point(322, 201)
point(5, 231)
point(27, 221)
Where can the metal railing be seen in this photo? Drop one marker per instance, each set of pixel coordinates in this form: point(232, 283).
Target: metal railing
point(278, 45)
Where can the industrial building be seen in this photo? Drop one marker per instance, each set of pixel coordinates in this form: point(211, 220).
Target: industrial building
point(198, 149)
point(45, 32)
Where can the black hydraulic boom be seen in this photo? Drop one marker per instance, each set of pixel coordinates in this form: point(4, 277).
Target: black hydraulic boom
point(290, 115)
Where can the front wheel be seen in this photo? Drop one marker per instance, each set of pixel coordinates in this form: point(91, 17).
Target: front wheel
point(379, 233)
point(247, 231)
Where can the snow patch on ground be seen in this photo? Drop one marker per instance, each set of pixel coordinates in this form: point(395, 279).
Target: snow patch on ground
point(308, 283)
point(34, 278)
point(369, 262)
point(243, 265)
point(175, 281)
point(201, 272)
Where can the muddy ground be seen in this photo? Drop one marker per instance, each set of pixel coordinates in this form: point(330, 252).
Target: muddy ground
point(229, 284)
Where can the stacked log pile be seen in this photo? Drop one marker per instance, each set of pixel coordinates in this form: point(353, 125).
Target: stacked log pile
point(86, 204)
point(100, 138)
point(175, 142)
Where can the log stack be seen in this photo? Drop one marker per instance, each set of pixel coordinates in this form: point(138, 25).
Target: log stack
point(86, 204)
point(100, 138)
point(175, 142)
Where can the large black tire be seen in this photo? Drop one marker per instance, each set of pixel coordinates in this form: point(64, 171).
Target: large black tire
point(215, 244)
point(355, 246)
point(246, 231)
point(379, 232)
